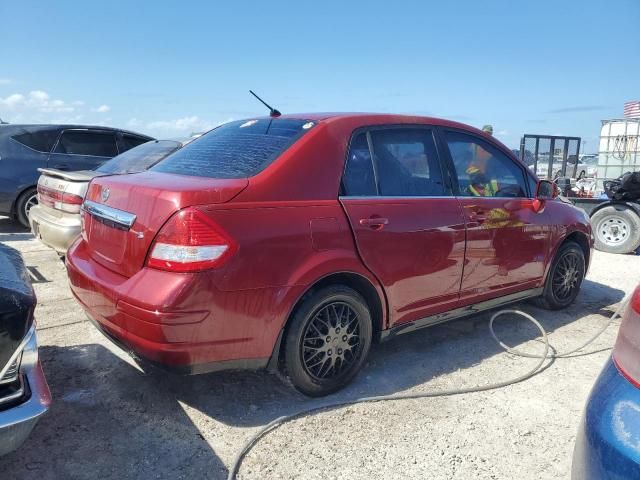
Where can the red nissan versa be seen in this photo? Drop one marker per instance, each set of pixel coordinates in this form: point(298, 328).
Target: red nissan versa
point(296, 242)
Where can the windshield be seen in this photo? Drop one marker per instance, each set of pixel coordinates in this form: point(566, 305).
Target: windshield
point(139, 158)
point(237, 149)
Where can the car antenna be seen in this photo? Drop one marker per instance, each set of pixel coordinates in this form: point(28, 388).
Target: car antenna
point(272, 111)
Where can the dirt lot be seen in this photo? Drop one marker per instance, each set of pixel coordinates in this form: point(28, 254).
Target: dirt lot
point(111, 420)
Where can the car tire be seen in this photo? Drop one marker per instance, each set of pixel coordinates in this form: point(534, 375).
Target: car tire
point(616, 229)
point(327, 341)
point(564, 278)
point(26, 200)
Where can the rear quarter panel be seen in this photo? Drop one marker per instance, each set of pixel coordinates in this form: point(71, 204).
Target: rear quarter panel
point(18, 170)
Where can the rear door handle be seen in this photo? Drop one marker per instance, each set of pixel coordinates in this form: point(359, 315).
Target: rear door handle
point(376, 223)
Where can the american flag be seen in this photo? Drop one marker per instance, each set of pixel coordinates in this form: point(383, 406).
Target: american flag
point(632, 109)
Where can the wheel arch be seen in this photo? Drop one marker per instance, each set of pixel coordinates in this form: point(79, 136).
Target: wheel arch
point(583, 241)
point(361, 284)
point(21, 192)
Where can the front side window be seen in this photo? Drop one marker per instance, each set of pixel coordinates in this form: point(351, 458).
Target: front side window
point(407, 162)
point(483, 170)
point(83, 142)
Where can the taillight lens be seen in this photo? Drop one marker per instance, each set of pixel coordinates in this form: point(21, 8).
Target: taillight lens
point(65, 202)
point(189, 242)
point(626, 353)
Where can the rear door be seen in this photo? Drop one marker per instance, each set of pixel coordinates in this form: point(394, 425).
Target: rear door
point(507, 241)
point(408, 227)
point(83, 149)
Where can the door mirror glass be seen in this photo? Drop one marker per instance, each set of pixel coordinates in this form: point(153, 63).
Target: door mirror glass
point(546, 189)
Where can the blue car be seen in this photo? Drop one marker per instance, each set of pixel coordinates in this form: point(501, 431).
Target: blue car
point(25, 148)
point(608, 443)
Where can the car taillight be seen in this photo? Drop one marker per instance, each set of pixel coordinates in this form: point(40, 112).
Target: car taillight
point(66, 202)
point(626, 353)
point(189, 242)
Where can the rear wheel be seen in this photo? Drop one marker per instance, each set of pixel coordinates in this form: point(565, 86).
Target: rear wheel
point(617, 229)
point(26, 200)
point(328, 340)
point(564, 278)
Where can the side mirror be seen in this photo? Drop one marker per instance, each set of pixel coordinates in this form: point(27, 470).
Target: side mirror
point(546, 190)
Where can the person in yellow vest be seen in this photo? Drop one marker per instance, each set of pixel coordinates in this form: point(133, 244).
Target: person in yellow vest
point(480, 185)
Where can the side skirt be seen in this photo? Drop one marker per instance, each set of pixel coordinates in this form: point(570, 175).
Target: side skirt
point(459, 313)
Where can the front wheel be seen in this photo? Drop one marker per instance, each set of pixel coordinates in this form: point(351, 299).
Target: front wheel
point(565, 277)
point(617, 229)
point(328, 340)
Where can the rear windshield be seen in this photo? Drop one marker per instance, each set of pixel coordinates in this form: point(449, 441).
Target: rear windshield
point(139, 158)
point(237, 149)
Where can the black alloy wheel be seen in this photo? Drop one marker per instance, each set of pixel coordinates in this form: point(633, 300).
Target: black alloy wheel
point(327, 341)
point(331, 341)
point(564, 278)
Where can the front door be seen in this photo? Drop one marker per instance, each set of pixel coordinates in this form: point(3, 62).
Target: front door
point(408, 228)
point(507, 241)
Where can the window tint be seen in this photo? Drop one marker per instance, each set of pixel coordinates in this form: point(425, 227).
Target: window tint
point(40, 140)
point(139, 158)
point(359, 179)
point(80, 142)
point(483, 170)
point(407, 162)
point(237, 149)
point(131, 141)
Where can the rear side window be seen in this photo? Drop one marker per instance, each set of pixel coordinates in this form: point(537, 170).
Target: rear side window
point(39, 140)
point(407, 162)
point(359, 179)
point(140, 158)
point(130, 141)
point(237, 149)
point(82, 142)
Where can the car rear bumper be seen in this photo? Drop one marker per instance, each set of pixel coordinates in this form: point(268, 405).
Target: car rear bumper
point(180, 322)
point(608, 442)
point(17, 421)
point(55, 231)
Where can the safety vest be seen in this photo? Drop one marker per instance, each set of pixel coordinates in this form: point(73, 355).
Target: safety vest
point(488, 190)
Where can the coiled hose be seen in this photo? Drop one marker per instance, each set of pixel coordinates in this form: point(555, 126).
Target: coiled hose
point(237, 463)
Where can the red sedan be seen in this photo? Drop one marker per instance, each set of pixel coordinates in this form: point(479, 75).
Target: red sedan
point(298, 241)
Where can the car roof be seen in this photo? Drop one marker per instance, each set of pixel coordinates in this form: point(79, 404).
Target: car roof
point(382, 118)
point(73, 126)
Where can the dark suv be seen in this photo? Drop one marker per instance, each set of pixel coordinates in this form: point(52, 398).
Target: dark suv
point(25, 148)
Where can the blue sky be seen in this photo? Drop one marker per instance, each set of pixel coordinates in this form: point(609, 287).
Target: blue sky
point(169, 68)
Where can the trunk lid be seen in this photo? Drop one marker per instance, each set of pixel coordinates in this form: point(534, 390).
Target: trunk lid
point(54, 186)
point(145, 201)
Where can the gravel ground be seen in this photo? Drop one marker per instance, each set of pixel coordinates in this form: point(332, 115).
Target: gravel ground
point(110, 419)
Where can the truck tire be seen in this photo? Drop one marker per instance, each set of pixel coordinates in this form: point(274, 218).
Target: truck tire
point(617, 229)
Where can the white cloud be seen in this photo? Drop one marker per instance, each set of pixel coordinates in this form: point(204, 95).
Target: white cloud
point(37, 106)
point(35, 101)
point(5, 81)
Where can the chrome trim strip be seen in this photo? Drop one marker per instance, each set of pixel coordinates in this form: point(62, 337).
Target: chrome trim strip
point(109, 215)
point(25, 340)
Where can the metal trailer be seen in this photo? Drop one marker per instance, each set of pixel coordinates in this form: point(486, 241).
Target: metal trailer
point(616, 224)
